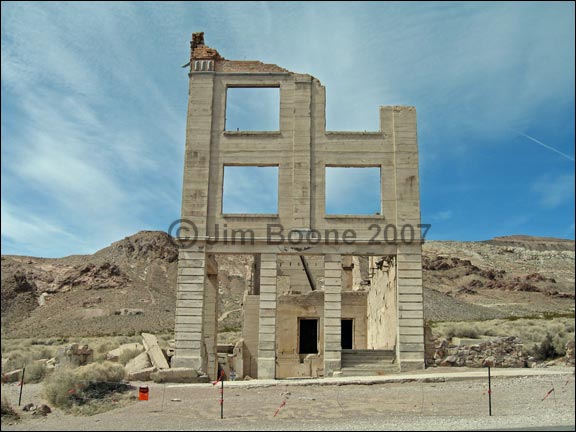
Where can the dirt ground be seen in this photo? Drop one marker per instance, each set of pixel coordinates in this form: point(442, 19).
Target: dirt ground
point(462, 405)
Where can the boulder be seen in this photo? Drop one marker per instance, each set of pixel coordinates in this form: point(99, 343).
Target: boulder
point(42, 410)
point(29, 407)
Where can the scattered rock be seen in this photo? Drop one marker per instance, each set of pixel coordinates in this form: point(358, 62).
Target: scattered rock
point(498, 352)
point(42, 410)
point(42, 299)
point(127, 311)
point(29, 407)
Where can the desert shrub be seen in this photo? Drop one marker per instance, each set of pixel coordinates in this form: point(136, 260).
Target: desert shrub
point(59, 386)
point(35, 372)
point(101, 372)
point(559, 341)
point(7, 411)
point(68, 387)
point(462, 330)
point(18, 357)
point(545, 350)
point(106, 346)
point(16, 360)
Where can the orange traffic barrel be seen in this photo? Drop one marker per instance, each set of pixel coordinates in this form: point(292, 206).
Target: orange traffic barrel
point(143, 393)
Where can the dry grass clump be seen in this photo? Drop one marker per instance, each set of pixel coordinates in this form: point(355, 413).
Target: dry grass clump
point(8, 413)
point(89, 389)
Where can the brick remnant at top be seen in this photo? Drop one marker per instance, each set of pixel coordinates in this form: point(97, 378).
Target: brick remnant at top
point(199, 51)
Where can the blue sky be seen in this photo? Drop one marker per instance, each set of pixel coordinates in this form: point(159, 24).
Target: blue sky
point(94, 107)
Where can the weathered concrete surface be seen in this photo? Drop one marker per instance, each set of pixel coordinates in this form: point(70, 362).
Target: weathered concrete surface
point(153, 349)
point(382, 304)
point(141, 361)
point(176, 375)
point(142, 374)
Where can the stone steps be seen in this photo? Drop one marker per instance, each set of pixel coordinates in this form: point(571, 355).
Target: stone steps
point(368, 362)
point(352, 371)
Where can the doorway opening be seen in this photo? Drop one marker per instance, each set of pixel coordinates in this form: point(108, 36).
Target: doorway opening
point(308, 336)
point(347, 333)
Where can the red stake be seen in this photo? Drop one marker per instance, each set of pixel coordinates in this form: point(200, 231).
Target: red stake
point(281, 406)
point(548, 394)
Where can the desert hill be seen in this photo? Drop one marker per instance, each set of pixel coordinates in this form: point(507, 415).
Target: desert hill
point(130, 286)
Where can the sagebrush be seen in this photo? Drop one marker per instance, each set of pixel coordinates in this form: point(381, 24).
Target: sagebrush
point(67, 387)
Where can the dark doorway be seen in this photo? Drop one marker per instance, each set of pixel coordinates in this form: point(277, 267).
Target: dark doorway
point(347, 333)
point(308, 336)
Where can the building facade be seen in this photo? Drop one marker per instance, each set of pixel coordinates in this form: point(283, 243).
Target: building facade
point(318, 251)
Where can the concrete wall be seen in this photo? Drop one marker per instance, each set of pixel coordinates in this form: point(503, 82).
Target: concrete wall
point(311, 305)
point(250, 335)
point(292, 276)
point(302, 149)
point(382, 308)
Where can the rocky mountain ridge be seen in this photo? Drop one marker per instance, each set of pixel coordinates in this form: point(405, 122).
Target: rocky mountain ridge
point(130, 286)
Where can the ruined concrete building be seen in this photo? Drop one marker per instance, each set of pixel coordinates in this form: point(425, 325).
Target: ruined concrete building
point(315, 308)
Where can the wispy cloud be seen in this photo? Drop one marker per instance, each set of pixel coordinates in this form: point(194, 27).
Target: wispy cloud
point(90, 142)
point(554, 191)
point(94, 99)
point(441, 216)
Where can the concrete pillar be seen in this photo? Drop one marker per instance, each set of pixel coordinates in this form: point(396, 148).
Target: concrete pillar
point(190, 310)
point(267, 317)
point(301, 168)
point(332, 314)
point(410, 345)
point(211, 325)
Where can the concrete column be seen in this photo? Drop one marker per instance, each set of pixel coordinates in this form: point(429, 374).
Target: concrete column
point(301, 168)
point(190, 310)
point(410, 345)
point(211, 325)
point(267, 317)
point(332, 314)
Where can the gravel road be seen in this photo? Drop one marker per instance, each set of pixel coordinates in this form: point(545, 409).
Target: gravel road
point(463, 405)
